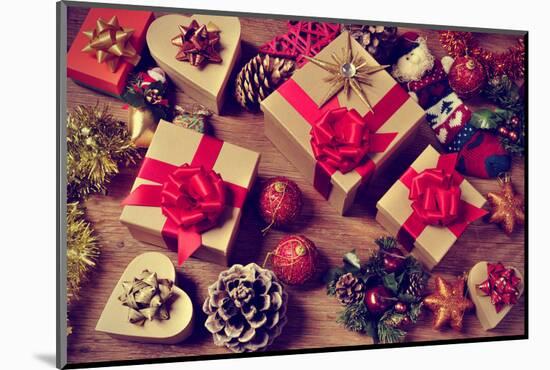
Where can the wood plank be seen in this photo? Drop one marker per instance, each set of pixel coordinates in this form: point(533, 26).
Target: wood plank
point(311, 313)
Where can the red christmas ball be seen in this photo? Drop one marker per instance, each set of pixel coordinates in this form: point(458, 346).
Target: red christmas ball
point(294, 259)
point(393, 260)
point(280, 202)
point(400, 307)
point(378, 299)
point(467, 77)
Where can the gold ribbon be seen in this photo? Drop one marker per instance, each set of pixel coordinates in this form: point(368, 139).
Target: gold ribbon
point(109, 43)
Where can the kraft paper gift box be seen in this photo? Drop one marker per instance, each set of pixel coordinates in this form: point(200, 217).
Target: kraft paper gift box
point(293, 110)
point(83, 67)
point(430, 206)
point(196, 215)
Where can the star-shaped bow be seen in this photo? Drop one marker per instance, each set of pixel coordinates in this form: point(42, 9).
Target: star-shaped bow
point(198, 44)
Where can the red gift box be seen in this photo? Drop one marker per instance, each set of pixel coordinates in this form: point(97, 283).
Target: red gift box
point(83, 67)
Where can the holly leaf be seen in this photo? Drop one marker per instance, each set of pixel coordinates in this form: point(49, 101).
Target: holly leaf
point(485, 119)
point(391, 282)
point(415, 310)
point(407, 298)
point(351, 262)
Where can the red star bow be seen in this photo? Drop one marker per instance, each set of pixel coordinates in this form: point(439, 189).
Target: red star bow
point(198, 44)
point(502, 285)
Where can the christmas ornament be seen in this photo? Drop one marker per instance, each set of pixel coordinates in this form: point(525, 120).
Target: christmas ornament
point(349, 289)
point(448, 303)
point(378, 299)
point(246, 308)
point(393, 260)
point(511, 62)
point(259, 78)
point(294, 259)
point(194, 117)
point(147, 298)
point(502, 285)
point(379, 41)
point(448, 119)
point(198, 44)
point(377, 302)
point(466, 77)
point(507, 207)
point(279, 202)
point(146, 94)
point(483, 156)
point(109, 42)
point(348, 71)
point(302, 39)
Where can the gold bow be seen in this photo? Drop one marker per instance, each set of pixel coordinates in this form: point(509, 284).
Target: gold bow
point(109, 43)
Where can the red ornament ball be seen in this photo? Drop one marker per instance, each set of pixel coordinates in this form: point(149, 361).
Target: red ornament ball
point(294, 259)
point(467, 77)
point(280, 202)
point(400, 307)
point(393, 260)
point(378, 300)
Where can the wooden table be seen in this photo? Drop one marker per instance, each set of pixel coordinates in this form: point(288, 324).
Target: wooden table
point(312, 314)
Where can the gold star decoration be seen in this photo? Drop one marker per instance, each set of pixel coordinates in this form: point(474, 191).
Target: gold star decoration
point(507, 207)
point(448, 303)
point(110, 42)
point(348, 71)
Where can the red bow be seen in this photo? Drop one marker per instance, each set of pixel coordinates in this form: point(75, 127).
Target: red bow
point(502, 285)
point(436, 199)
point(340, 139)
point(193, 198)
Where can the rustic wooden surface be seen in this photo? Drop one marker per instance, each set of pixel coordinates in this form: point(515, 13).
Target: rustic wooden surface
point(311, 313)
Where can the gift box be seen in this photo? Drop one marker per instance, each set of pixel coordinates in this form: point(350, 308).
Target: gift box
point(204, 81)
point(430, 206)
point(118, 37)
point(340, 144)
point(188, 193)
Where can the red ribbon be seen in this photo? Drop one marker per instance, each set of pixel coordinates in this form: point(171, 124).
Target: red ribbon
point(435, 193)
point(342, 139)
point(191, 196)
point(502, 285)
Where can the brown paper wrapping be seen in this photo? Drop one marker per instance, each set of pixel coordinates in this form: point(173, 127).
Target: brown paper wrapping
point(395, 207)
point(290, 132)
point(206, 84)
point(485, 310)
point(177, 145)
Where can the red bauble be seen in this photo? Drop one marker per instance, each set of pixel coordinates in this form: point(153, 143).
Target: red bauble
point(378, 300)
point(393, 260)
point(280, 202)
point(400, 307)
point(294, 259)
point(466, 77)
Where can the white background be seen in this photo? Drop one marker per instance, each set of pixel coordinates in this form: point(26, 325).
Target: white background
point(27, 185)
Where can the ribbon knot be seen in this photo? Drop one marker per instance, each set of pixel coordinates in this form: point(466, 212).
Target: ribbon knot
point(502, 285)
point(193, 198)
point(435, 196)
point(340, 139)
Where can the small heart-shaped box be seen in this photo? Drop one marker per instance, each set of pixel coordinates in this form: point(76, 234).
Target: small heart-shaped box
point(114, 318)
point(205, 84)
point(485, 310)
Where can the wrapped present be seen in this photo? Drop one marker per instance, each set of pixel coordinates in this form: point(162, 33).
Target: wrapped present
point(107, 48)
point(430, 206)
point(198, 53)
point(188, 193)
point(338, 138)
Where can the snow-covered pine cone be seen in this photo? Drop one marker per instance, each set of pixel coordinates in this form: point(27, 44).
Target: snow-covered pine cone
point(246, 308)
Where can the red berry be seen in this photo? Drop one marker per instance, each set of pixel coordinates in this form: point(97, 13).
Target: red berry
point(378, 300)
point(294, 259)
point(280, 202)
point(393, 260)
point(400, 307)
point(514, 121)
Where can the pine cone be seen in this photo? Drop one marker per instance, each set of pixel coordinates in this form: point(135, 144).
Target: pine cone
point(246, 308)
point(349, 289)
point(377, 40)
point(259, 78)
point(416, 286)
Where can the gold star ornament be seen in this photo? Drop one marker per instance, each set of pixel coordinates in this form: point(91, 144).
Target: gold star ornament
point(448, 303)
point(349, 71)
point(507, 207)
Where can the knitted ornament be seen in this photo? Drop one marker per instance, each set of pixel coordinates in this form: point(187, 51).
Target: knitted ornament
point(462, 137)
point(466, 77)
point(448, 117)
point(483, 156)
point(294, 259)
point(280, 202)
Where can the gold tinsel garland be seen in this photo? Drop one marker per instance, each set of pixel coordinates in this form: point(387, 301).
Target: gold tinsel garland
point(97, 144)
